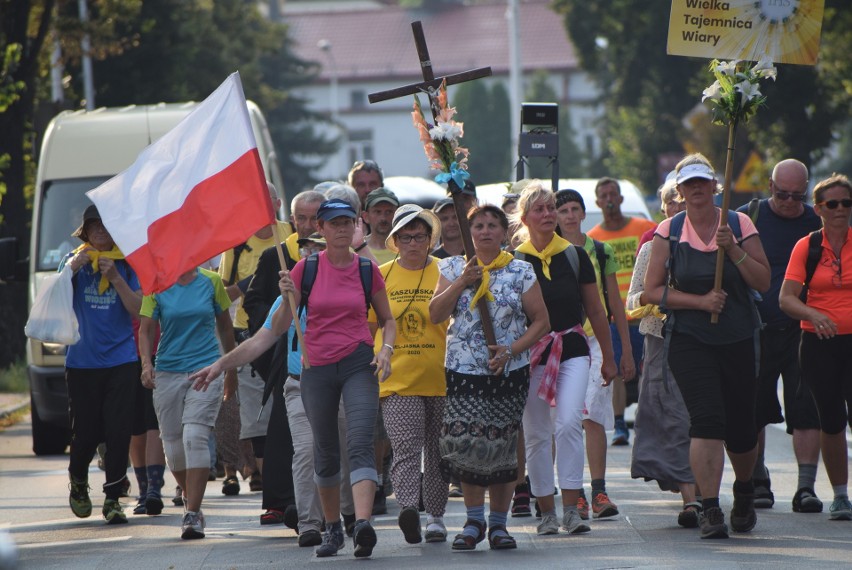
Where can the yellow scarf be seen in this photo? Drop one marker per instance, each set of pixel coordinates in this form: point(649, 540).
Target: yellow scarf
point(94, 255)
point(292, 244)
point(502, 260)
point(556, 245)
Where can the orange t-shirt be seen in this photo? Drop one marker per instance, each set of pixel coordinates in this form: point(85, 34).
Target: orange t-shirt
point(625, 243)
point(830, 289)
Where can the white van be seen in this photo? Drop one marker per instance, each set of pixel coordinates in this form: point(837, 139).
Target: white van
point(633, 205)
point(80, 150)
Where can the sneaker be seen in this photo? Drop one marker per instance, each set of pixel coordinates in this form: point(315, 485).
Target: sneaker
point(364, 538)
point(310, 537)
point(178, 498)
point(113, 513)
point(332, 541)
point(712, 523)
point(154, 502)
point(549, 525)
point(602, 507)
point(435, 530)
point(743, 517)
point(764, 498)
point(231, 486)
point(572, 523)
point(806, 501)
point(409, 524)
point(622, 434)
point(380, 506)
point(192, 526)
point(455, 491)
point(78, 498)
point(139, 509)
point(840, 509)
point(583, 508)
point(521, 501)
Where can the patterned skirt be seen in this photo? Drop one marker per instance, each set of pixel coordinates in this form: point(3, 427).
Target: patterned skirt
point(479, 435)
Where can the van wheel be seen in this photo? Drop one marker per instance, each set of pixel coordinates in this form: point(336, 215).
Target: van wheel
point(48, 439)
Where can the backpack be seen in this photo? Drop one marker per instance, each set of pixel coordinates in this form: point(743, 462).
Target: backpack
point(602, 257)
point(574, 262)
point(238, 250)
point(365, 270)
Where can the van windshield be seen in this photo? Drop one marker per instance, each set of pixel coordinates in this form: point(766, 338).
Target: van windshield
point(62, 206)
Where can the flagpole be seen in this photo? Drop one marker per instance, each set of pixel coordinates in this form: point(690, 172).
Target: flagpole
point(291, 299)
point(726, 204)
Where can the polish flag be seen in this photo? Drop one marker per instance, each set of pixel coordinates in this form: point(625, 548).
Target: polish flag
point(197, 191)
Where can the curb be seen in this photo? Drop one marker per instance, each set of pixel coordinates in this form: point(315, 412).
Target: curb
point(10, 409)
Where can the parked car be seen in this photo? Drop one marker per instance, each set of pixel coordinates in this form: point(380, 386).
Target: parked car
point(415, 190)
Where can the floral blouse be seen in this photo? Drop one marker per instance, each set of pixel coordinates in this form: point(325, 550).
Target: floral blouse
point(467, 351)
point(649, 323)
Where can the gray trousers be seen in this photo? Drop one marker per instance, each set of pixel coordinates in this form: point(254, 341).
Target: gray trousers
point(307, 497)
point(351, 379)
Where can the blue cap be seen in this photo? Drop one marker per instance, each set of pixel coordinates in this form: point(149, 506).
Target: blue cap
point(335, 208)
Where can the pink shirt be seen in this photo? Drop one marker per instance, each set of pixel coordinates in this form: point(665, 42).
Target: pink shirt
point(690, 236)
point(337, 313)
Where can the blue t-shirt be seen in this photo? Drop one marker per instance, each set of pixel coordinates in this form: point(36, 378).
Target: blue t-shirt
point(294, 352)
point(106, 328)
point(187, 315)
point(778, 236)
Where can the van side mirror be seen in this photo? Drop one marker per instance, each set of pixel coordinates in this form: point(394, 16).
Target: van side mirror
point(11, 268)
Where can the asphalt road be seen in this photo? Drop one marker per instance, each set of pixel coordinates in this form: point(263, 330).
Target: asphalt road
point(34, 512)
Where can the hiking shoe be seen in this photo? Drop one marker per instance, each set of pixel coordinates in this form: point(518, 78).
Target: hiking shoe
point(602, 507)
point(712, 523)
point(764, 498)
point(153, 502)
point(380, 506)
point(332, 541)
point(178, 498)
point(806, 501)
point(140, 509)
point(621, 436)
point(435, 530)
point(572, 523)
point(743, 517)
point(409, 524)
point(192, 526)
point(231, 486)
point(521, 501)
point(549, 525)
point(310, 537)
point(688, 517)
point(583, 508)
point(840, 509)
point(113, 513)
point(78, 498)
point(455, 491)
point(364, 538)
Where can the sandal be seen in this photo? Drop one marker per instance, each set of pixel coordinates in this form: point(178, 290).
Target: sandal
point(272, 516)
point(231, 486)
point(500, 541)
point(688, 517)
point(467, 542)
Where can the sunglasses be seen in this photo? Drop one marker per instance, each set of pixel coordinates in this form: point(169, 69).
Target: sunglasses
point(832, 204)
point(784, 195)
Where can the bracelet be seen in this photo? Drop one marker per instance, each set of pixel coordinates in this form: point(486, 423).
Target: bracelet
point(389, 347)
point(745, 254)
point(362, 246)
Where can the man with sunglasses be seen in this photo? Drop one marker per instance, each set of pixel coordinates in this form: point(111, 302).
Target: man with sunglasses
point(782, 220)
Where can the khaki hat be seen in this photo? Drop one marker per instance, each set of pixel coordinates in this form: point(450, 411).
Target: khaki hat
point(314, 238)
point(406, 214)
point(380, 195)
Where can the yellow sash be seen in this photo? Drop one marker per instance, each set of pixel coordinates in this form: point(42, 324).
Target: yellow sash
point(556, 245)
point(94, 255)
point(502, 260)
point(292, 243)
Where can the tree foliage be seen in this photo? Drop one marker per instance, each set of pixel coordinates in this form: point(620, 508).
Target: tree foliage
point(485, 112)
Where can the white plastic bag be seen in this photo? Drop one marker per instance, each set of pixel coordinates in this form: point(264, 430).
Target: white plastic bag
point(52, 317)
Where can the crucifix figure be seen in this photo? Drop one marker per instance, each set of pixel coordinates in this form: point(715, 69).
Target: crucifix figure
point(429, 86)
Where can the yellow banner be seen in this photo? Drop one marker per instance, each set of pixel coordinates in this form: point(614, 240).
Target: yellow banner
point(787, 31)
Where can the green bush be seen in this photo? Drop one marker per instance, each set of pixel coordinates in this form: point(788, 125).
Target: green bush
point(14, 378)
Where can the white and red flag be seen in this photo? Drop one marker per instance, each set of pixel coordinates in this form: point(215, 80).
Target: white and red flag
point(194, 193)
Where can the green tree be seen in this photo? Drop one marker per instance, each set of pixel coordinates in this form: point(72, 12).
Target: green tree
point(485, 114)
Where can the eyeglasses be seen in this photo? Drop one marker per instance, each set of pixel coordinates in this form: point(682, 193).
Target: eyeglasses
point(419, 238)
point(784, 195)
point(832, 204)
point(837, 278)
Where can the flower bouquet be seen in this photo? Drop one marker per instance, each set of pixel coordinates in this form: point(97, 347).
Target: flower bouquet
point(735, 95)
point(441, 140)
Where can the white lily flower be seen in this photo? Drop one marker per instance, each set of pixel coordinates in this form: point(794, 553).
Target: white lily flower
point(748, 89)
point(764, 68)
point(727, 68)
point(714, 92)
point(445, 131)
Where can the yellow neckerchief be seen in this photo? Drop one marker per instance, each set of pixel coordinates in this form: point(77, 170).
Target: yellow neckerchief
point(502, 260)
point(292, 244)
point(94, 255)
point(557, 244)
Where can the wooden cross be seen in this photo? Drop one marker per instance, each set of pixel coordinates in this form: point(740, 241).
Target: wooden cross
point(430, 85)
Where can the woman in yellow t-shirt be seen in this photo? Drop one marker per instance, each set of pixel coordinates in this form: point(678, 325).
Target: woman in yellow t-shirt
point(413, 396)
